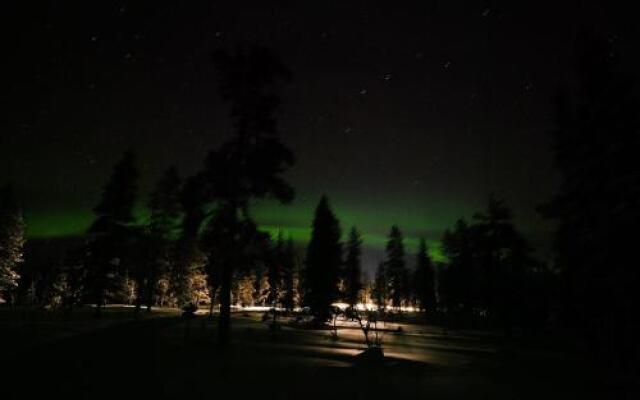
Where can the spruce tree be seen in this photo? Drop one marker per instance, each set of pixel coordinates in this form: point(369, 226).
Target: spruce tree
point(188, 256)
point(501, 258)
point(159, 235)
point(111, 234)
point(323, 260)
point(459, 279)
point(353, 270)
point(425, 279)
point(396, 269)
point(380, 290)
point(248, 166)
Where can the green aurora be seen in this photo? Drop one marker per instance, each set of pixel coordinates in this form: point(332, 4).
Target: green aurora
point(292, 220)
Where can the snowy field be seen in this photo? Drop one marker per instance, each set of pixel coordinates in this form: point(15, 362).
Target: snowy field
point(161, 355)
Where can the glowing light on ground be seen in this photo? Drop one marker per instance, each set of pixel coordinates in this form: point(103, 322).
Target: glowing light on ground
point(374, 307)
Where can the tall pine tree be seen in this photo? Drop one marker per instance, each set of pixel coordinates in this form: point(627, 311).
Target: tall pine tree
point(158, 239)
point(324, 257)
point(188, 256)
point(111, 233)
point(425, 279)
point(250, 165)
point(380, 290)
point(396, 269)
point(459, 279)
point(353, 269)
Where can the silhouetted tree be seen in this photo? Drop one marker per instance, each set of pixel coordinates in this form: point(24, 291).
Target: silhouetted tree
point(75, 272)
point(353, 270)
point(250, 164)
point(323, 260)
point(488, 262)
point(158, 237)
point(424, 281)
point(459, 276)
point(502, 259)
point(396, 269)
point(596, 140)
point(111, 233)
point(213, 244)
point(380, 289)
point(12, 239)
point(189, 257)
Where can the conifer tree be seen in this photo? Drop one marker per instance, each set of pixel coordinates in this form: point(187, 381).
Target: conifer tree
point(425, 278)
point(111, 234)
point(353, 270)
point(188, 256)
point(380, 289)
point(158, 238)
point(395, 267)
point(249, 166)
point(323, 260)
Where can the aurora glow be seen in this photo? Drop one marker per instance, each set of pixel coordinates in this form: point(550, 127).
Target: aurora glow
point(44, 225)
point(292, 220)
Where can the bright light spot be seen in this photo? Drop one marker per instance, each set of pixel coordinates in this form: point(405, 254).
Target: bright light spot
point(374, 307)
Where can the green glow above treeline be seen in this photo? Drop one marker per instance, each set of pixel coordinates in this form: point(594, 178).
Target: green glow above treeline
point(291, 221)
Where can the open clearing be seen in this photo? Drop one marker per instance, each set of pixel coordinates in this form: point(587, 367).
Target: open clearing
point(161, 355)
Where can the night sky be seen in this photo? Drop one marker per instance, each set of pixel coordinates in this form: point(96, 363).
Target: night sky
point(402, 112)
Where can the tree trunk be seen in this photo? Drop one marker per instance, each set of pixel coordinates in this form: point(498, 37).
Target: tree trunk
point(138, 303)
point(224, 325)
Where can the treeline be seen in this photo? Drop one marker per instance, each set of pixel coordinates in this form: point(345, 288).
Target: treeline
point(173, 259)
point(178, 256)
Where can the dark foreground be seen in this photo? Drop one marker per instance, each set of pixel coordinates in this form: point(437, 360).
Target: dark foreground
point(161, 356)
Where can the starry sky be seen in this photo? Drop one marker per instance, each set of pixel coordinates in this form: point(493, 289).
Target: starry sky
point(401, 112)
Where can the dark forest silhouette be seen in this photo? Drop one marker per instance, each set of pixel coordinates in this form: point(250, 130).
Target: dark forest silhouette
point(597, 208)
point(200, 244)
